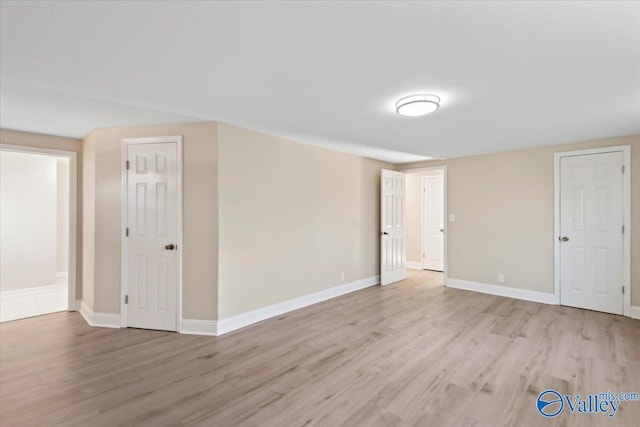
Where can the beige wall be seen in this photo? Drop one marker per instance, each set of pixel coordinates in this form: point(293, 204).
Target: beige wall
point(293, 217)
point(89, 219)
point(57, 143)
point(200, 225)
point(503, 204)
point(28, 220)
point(414, 214)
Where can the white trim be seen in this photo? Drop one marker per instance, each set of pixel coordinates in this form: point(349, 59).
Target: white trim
point(598, 150)
point(445, 216)
point(177, 139)
point(73, 231)
point(86, 312)
point(503, 291)
point(422, 169)
point(100, 320)
point(124, 155)
point(198, 327)
point(635, 312)
point(73, 209)
point(414, 265)
point(28, 302)
point(445, 271)
point(250, 317)
point(179, 226)
point(17, 293)
point(626, 238)
point(62, 274)
point(446, 213)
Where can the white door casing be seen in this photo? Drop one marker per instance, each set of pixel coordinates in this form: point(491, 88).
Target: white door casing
point(72, 303)
point(152, 244)
point(591, 231)
point(392, 233)
point(433, 220)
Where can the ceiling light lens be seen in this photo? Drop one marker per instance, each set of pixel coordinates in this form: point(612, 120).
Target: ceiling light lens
point(417, 105)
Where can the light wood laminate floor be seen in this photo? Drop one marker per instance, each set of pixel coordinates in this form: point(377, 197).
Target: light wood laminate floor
point(412, 353)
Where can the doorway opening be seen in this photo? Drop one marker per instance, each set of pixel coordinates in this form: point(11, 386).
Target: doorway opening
point(426, 222)
point(37, 233)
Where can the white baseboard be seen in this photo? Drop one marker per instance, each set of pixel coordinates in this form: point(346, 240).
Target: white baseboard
point(62, 274)
point(503, 291)
point(198, 327)
point(220, 327)
point(101, 320)
point(28, 302)
point(635, 312)
point(414, 265)
point(245, 319)
point(17, 293)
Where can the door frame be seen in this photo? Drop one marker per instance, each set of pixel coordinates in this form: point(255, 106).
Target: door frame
point(443, 168)
point(626, 213)
point(72, 303)
point(423, 225)
point(177, 139)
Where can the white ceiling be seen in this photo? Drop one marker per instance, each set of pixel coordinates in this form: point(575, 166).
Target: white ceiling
point(509, 74)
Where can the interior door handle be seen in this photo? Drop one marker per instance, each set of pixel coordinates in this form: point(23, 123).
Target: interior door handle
point(442, 230)
point(384, 233)
point(171, 247)
point(563, 239)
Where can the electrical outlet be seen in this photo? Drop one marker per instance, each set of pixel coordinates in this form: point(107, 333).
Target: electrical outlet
point(501, 278)
point(342, 276)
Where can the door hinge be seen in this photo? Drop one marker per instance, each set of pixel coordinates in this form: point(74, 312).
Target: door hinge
point(622, 168)
point(126, 231)
point(623, 290)
point(127, 164)
point(623, 229)
point(126, 299)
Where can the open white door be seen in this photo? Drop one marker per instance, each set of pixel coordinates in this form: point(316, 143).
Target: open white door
point(433, 192)
point(392, 234)
point(152, 269)
point(591, 232)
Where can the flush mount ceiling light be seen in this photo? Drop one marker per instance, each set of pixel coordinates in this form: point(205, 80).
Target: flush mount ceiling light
point(417, 105)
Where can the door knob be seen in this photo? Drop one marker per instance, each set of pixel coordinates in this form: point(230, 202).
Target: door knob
point(384, 233)
point(171, 247)
point(442, 230)
point(563, 239)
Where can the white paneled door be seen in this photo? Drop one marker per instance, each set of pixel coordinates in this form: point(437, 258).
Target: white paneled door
point(392, 221)
point(591, 233)
point(152, 221)
point(433, 257)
